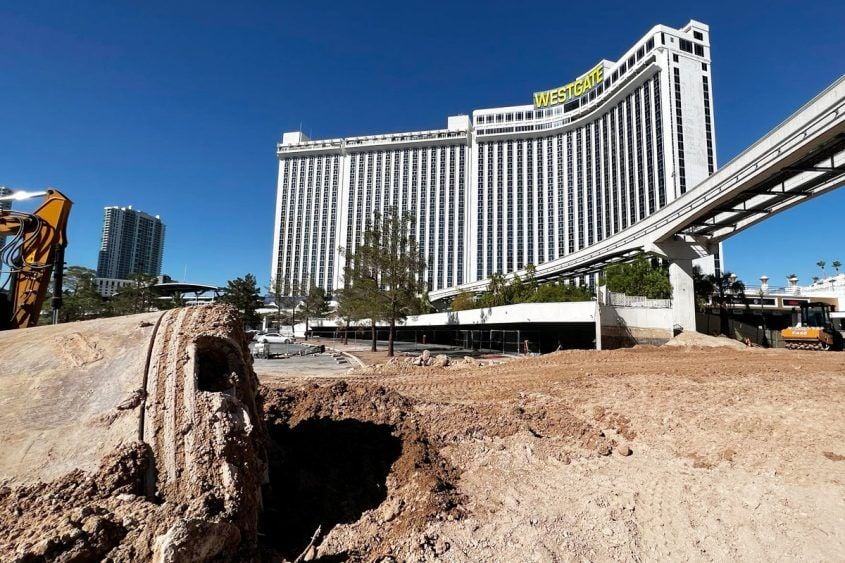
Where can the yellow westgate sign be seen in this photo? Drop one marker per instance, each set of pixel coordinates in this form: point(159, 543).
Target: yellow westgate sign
point(572, 90)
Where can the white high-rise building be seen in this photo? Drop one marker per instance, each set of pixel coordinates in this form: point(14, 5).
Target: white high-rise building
point(510, 186)
point(132, 243)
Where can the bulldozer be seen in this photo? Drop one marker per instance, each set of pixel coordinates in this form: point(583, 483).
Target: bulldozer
point(814, 331)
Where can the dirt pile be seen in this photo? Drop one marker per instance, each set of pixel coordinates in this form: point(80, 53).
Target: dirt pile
point(692, 338)
point(189, 489)
point(105, 516)
point(354, 460)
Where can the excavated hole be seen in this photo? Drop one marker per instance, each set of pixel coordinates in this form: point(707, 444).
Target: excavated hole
point(216, 360)
point(325, 472)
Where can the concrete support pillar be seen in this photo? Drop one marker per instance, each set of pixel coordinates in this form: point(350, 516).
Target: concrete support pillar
point(680, 255)
point(683, 293)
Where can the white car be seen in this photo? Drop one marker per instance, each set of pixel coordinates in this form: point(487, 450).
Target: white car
point(275, 338)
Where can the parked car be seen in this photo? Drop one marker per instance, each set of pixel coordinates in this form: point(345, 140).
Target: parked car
point(275, 338)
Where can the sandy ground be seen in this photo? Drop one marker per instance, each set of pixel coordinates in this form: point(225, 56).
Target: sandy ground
point(733, 454)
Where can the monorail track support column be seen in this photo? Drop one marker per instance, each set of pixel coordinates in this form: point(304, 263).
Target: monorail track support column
point(680, 255)
point(683, 293)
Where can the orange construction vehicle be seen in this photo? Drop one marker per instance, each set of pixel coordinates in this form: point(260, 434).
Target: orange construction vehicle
point(34, 246)
point(814, 331)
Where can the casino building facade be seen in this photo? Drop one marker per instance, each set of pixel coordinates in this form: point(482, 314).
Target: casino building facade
point(510, 186)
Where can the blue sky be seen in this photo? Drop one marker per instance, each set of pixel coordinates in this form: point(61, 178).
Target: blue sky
point(175, 107)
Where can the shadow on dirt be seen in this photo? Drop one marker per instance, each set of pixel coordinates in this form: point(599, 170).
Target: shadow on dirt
point(324, 472)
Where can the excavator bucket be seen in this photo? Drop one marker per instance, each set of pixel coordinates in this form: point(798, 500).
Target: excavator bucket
point(156, 409)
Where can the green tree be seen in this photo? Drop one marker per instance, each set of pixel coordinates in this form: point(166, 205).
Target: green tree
point(360, 298)
point(136, 297)
point(81, 300)
point(314, 305)
point(821, 264)
point(389, 257)
point(243, 294)
point(725, 286)
point(836, 265)
point(176, 300)
point(703, 288)
point(639, 277)
point(559, 293)
point(463, 300)
point(277, 292)
point(496, 293)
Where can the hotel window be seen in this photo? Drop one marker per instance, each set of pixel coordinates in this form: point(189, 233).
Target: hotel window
point(550, 194)
point(490, 203)
point(509, 199)
point(519, 201)
point(614, 164)
point(479, 248)
point(500, 186)
point(570, 199)
point(638, 122)
point(708, 124)
point(606, 172)
point(658, 133)
point(529, 175)
point(586, 188)
point(541, 218)
point(698, 35)
point(686, 45)
point(649, 147)
point(461, 214)
point(623, 166)
point(682, 179)
point(597, 217)
point(699, 50)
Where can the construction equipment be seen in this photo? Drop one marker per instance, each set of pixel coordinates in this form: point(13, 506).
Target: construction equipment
point(35, 245)
point(814, 331)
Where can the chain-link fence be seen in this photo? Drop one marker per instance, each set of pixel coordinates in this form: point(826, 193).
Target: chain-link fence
point(472, 341)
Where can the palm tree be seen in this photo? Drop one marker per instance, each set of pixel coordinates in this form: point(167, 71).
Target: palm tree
point(821, 264)
point(836, 265)
point(725, 284)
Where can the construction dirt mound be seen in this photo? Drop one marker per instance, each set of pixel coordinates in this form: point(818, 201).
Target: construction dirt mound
point(352, 461)
point(692, 338)
point(182, 483)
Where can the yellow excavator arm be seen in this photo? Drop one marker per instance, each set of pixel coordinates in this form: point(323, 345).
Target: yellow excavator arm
point(35, 244)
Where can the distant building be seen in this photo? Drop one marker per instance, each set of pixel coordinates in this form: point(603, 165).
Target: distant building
point(107, 287)
point(132, 243)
